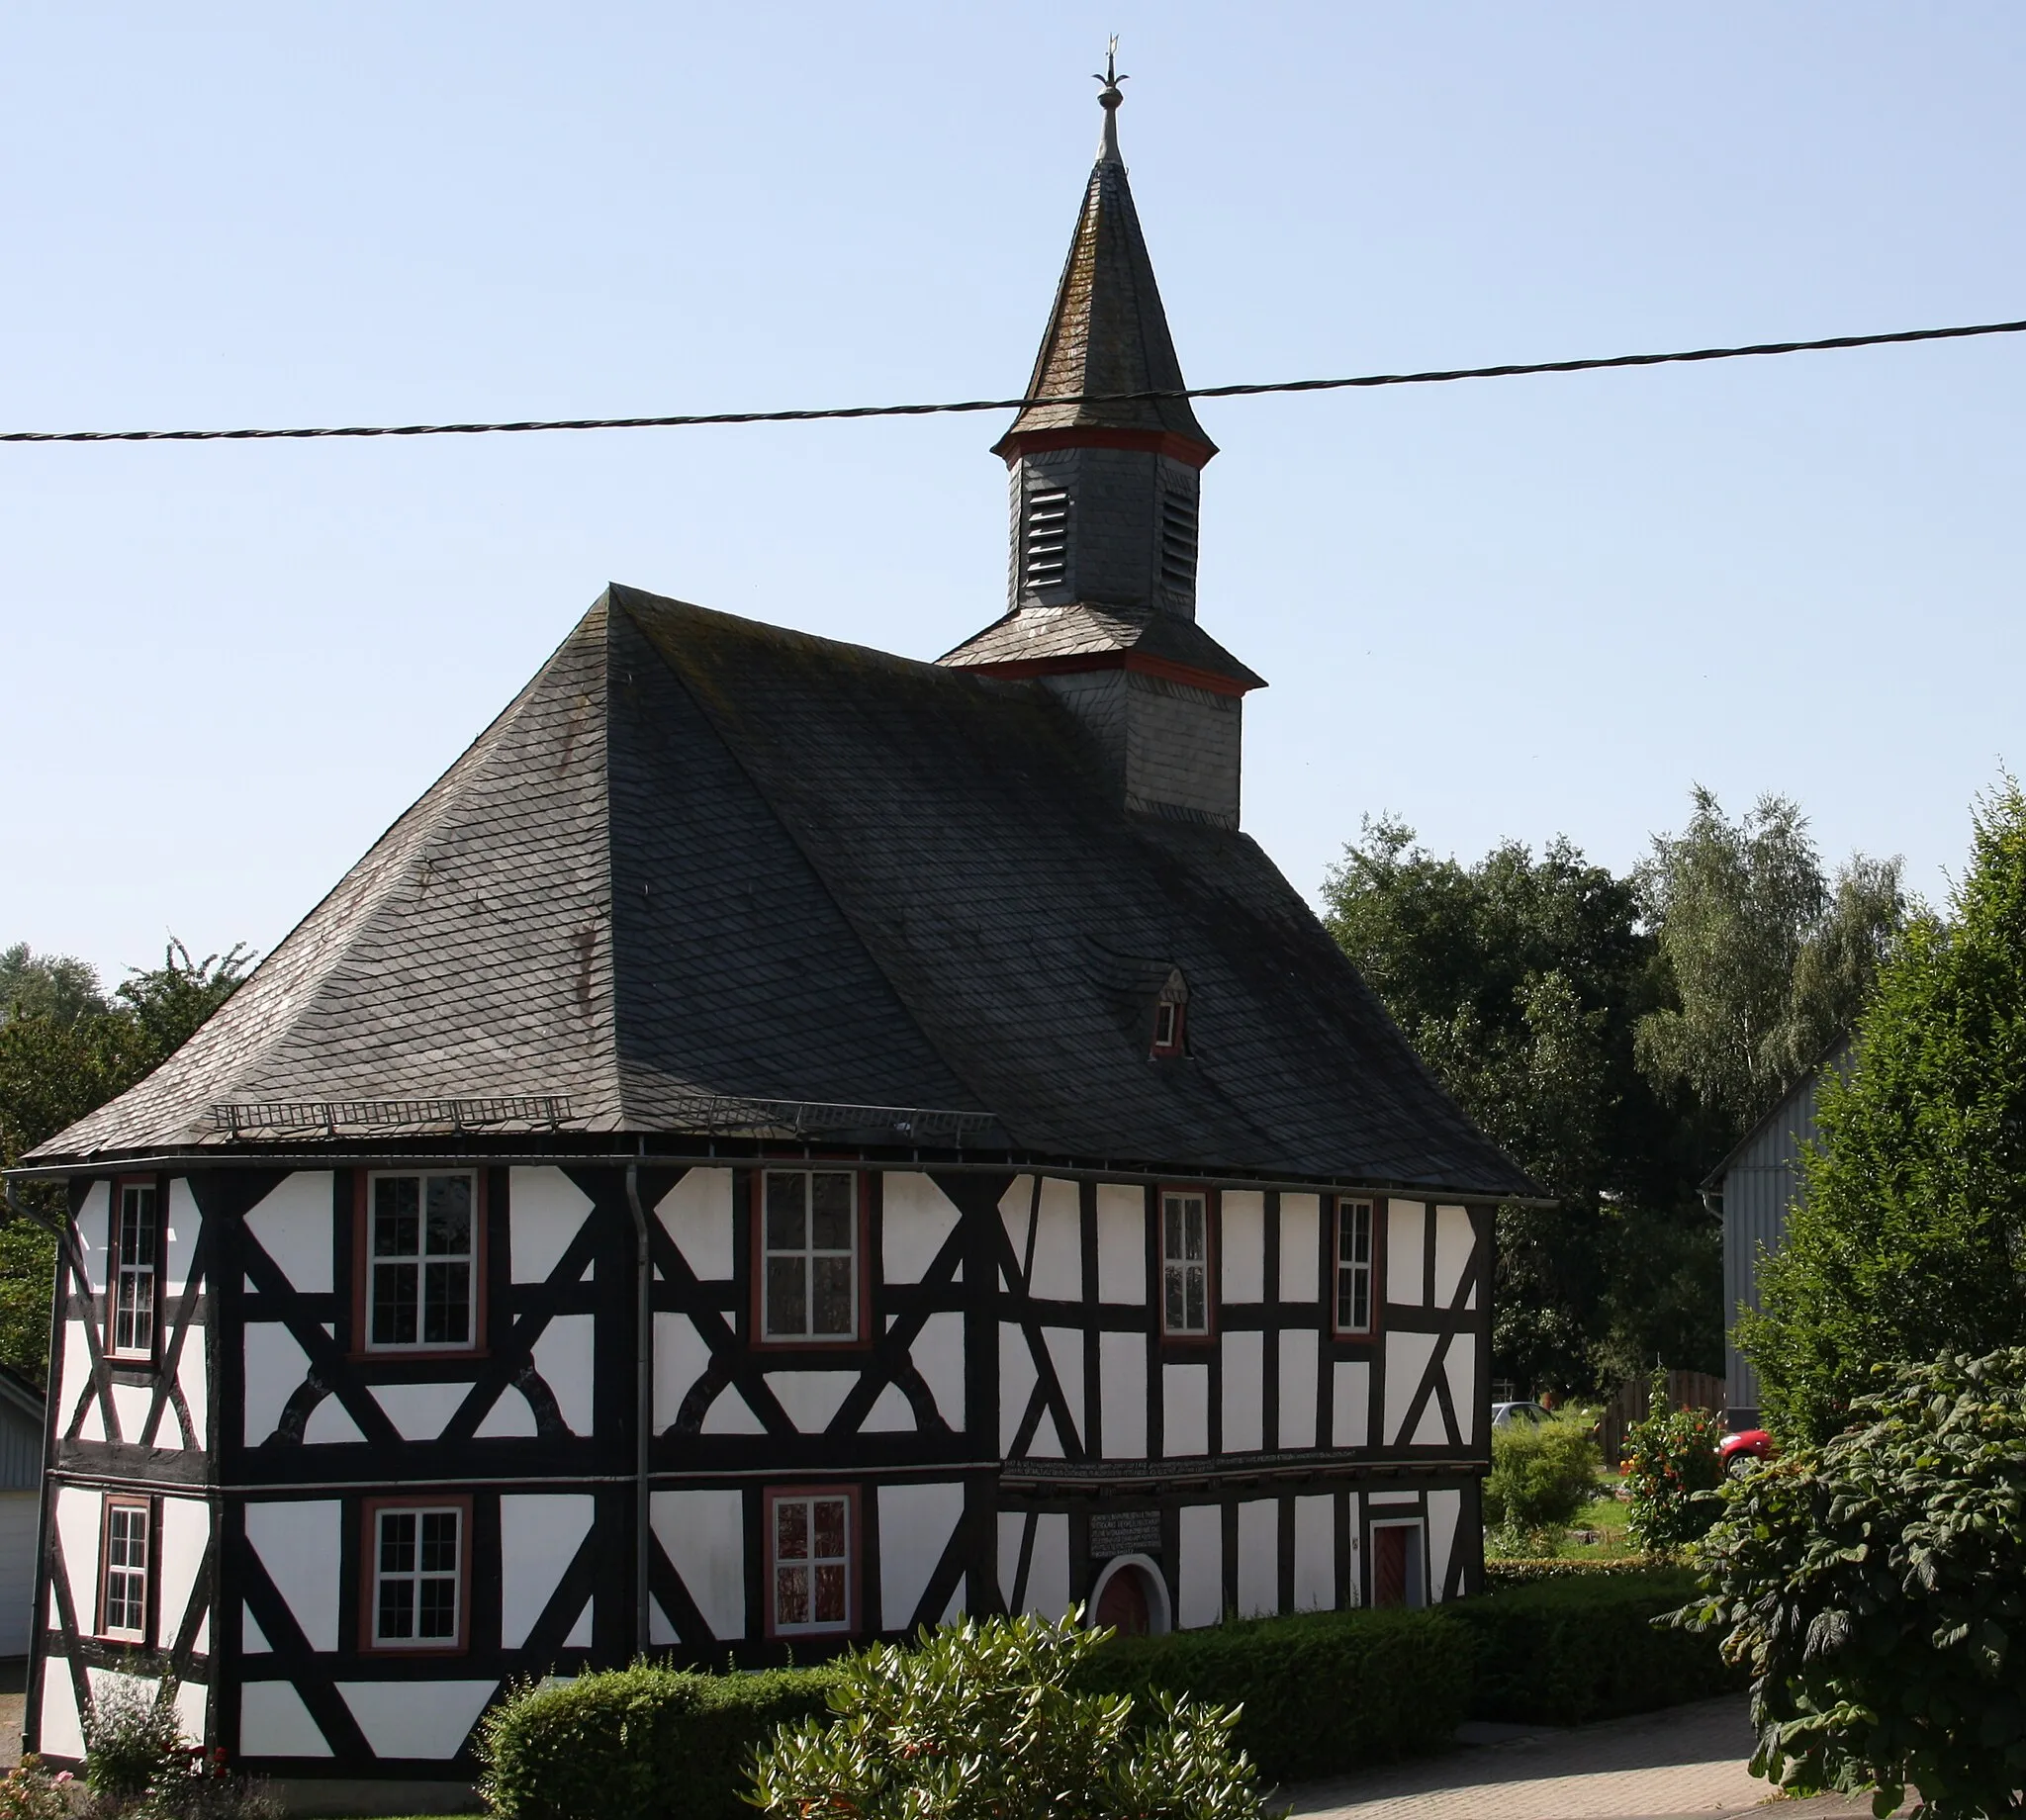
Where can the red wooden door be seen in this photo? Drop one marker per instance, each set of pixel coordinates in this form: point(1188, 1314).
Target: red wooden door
point(1389, 1565)
point(1122, 1604)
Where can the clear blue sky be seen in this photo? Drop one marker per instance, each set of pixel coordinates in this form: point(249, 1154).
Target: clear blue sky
point(1513, 608)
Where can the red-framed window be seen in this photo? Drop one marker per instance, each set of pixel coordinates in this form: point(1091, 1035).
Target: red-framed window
point(420, 1251)
point(810, 1277)
point(1188, 1277)
point(813, 1560)
point(134, 1268)
point(126, 1569)
point(417, 1584)
point(1355, 1265)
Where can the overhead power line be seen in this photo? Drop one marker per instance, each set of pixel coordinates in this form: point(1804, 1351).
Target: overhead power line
point(839, 412)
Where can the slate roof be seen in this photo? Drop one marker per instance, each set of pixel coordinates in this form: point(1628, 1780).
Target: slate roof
point(700, 855)
point(1108, 331)
point(1043, 634)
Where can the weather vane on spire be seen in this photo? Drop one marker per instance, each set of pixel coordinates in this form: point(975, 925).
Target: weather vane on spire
point(1108, 98)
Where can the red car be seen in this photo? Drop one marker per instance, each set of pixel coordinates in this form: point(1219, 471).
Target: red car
point(1741, 1452)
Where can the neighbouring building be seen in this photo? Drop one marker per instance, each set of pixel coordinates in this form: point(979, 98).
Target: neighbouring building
point(782, 1143)
point(24, 1415)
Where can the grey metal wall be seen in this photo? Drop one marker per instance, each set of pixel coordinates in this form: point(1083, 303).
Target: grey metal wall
point(1759, 1185)
point(21, 1451)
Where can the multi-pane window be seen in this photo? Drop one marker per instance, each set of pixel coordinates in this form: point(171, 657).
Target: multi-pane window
point(812, 1563)
point(125, 1591)
point(420, 1283)
point(810, 1266)
point(135, 1224)
point(417, 1567)
point(1185, 1263)
point(1353, 1266)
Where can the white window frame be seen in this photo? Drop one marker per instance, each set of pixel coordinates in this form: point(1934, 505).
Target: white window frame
point(132, 1576)
point(809, 1564)
point(132, 1288)
point(808, 1252)
point(419, 1260)
point(1350, 1271)
point(416, 1575)
point(1174, 1263)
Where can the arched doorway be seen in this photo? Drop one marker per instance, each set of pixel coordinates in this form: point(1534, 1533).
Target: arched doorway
point(1131, 1598)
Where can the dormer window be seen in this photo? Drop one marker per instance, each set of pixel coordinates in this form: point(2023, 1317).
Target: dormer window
point(1170, 1016)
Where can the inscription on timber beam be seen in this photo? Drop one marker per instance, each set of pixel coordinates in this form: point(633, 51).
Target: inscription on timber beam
point(1124, 1532)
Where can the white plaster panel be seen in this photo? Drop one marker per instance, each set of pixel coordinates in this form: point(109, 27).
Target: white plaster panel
point(1121, 1242)
point(293, 1222)
point(1010, 1526)
point(131, 1404)
point(1202, 1566)
point(1046, 1443)
point(730, 1413)
point(938, 1354)
point(1244, 1393)
point(1122, 1376)
point(580, 1632)
point(1430, 1430)
point(1454, 1241)
point(76, 1382)
point(191, 1697)
point(275, 1365)
point(659, 1629)
point(1407, 1358)
point(200, 1642)
point(331, 1425)
point(193, 1375)
point(705, 1535)
point(62, 1734)
point(1058, 1246)
point(419, 1411)
point(809, 1399)
point(682, 1355)
point(1385, 1501)
point(296, 1541)
point(95, 1233)
point(916, 1219)
point(1258, 1557)
point(78, 1527)
point(179, 1240)
point(891, 1413)
point(697, 1213)
point(1242, 1241)
point(1016, 1382)
point(1407, 1225)
point(185, 1531)
point(1185, 1409)
point(1300, 1243)
point(253, 1639)
point(274, 1722)
point(1066, 1353)
point(916, 1522)
point(1315, 1554)
point(1015, 1206)
point(539, 1537)
point(1460, 1365)
point(509, 1418)
point(1298, 1367)
point(955, 1608)
point(566, 1356)
point(1048, 1573)
point(546, 1211)
point(1444, 1508)
point(427, 1719)
point(1350, 1404)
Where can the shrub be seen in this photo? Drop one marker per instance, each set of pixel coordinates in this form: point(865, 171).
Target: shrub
point(1674, 1473)
point(29, 1791)
point(982, 1718)
point(1874, 1590)
point(1542, 1474)
point(1316, 1693)
point(1583, 1646)
point(1521, 1573)
point(638, 1743)
point(133, 1740)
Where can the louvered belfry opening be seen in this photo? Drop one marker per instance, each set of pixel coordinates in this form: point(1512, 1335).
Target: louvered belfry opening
point(1178, 544)
point(1045, 543)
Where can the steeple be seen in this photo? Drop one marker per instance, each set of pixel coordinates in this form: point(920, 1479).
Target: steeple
point(1105, 498)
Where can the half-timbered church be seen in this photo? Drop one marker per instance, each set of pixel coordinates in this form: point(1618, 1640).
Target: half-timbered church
point(780, 1145)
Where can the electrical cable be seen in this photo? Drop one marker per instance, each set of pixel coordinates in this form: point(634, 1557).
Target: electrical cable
point(841, 412)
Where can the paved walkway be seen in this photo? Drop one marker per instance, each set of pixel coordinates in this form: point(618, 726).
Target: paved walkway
point(1685, 1764)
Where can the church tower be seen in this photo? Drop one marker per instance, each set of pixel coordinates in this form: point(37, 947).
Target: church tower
point(1105, 495)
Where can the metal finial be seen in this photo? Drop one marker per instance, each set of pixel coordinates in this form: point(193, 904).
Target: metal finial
point(1108, 98)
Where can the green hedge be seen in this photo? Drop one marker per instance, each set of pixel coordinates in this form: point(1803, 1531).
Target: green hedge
point(639, 1743)
point(1322, 1693)
point(1521, 1570)
point(1584, 1646)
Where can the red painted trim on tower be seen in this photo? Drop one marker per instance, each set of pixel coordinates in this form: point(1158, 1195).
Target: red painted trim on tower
point(1186, 449)
point(1078, 664)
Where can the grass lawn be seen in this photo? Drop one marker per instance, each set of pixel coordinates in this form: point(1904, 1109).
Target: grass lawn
point(1599, 1531)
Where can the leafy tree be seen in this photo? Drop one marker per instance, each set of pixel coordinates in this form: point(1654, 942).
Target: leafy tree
point(1910, 1240)
point(1875, 1587)
point(64, 1052)
point(980, 1719)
